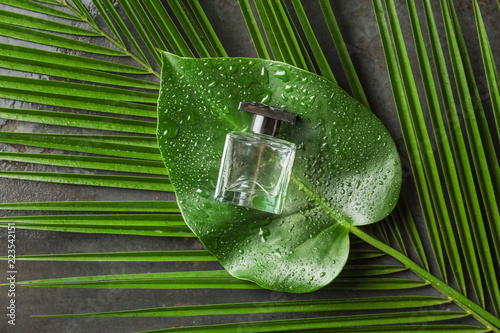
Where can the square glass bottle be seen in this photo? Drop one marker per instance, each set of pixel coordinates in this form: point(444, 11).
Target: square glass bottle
point(256, 167)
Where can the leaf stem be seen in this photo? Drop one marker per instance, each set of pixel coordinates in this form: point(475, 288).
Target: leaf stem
point(111, 39)
point(470, 307)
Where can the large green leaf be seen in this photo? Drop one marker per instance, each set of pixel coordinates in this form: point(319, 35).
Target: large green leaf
point(346, 169)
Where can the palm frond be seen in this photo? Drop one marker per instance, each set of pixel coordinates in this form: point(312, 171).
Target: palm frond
point(101, 61)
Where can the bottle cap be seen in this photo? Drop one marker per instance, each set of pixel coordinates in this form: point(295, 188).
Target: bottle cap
point(267, 119)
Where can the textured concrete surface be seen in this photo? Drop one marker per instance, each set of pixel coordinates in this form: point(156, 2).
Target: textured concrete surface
point(359, 28)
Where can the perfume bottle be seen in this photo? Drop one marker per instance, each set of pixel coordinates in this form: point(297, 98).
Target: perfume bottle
point(256, 167)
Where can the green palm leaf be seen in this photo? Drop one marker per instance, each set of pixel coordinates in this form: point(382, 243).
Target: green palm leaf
point(85, 72)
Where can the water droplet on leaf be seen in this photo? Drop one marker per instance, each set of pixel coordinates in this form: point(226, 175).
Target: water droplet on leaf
point(282, 75)
point(171, 130)
point(202, 192)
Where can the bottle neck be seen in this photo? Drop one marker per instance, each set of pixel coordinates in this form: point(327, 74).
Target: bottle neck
point(265, 125)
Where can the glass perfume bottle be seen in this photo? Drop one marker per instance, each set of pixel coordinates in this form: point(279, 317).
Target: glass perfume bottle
point(256, 167)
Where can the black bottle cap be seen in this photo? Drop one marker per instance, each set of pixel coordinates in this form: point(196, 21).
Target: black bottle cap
point(267, 119)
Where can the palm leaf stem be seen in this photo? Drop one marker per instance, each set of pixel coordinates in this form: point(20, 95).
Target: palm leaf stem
point(140, 29)
point(42, 24)
point(125, 30)
point(104, 14)
point(79, 5)
point(83, 17)
point(37, 7)
point(148, 24)
point(475, 310)
point(40, 37)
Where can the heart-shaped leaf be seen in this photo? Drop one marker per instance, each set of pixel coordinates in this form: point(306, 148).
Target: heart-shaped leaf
point(346, 170)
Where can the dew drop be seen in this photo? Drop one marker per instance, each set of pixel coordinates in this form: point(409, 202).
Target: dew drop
point(265, 99)
point(317, 125)
point(192, 119)
point(282, 75)
point(263, 233)
point(202, 192)
point(233, 69)
point(171, 130)
point(213, 244)
point(264, 74)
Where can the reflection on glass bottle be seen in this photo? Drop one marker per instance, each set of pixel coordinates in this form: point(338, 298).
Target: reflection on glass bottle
point(256, 167)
